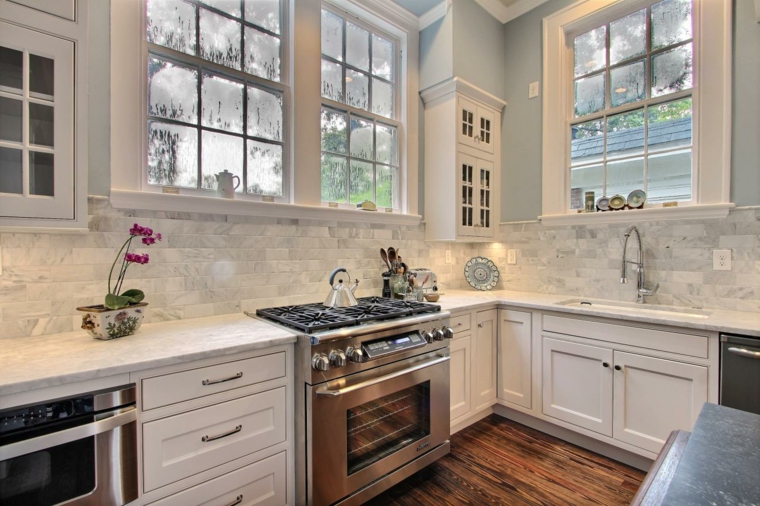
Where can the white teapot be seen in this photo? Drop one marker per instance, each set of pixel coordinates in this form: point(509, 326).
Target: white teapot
point(226, 184)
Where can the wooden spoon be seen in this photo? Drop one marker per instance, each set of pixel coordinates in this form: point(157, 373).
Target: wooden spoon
point(392, 256)
point(384, 256)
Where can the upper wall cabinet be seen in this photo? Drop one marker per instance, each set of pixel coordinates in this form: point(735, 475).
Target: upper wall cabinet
point(462, 162)
point(43, 153)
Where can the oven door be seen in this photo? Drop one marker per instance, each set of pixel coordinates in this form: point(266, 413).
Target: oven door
point(367, 425)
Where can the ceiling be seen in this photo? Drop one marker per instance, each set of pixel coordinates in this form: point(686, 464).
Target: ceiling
point(420, 7)
point(503, 10)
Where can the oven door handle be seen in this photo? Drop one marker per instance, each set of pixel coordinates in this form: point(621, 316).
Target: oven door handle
point(374, 381)
point(117, 419)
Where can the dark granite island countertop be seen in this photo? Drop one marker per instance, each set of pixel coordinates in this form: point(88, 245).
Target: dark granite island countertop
point(721, 461)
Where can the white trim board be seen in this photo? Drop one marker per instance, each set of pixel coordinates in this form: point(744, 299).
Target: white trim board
point(437, 12)
point(703, 212)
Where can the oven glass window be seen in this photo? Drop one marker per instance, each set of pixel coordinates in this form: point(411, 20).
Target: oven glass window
point(378, 428)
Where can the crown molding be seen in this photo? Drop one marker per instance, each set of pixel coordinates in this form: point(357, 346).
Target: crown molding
point(386, 9)
point(437, 12)
point(521, 7)
point(495, 8)
point(457, 84)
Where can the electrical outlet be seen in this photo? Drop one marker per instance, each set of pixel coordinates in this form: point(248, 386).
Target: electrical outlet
point(511, 257)
point(533, 90)
point(722, 260)
point(448, 256)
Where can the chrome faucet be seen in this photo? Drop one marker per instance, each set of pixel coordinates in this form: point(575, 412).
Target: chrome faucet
point(641, 290)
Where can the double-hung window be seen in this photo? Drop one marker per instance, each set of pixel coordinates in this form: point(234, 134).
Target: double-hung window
point(216, 94)
point(359, 123)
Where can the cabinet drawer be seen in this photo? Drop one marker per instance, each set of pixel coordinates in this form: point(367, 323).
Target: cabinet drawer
point(180, 446)
point(460, 323)
point(186, 385)
point(673, 342)
point(262, 484)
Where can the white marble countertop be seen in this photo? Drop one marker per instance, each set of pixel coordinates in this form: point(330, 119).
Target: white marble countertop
point(736, 322)
point(30, 363)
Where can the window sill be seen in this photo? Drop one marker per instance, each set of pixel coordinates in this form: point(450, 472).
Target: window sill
point(149, 201)
point(706, 211)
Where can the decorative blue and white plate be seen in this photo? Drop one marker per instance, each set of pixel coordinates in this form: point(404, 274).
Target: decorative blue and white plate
point(481, 273)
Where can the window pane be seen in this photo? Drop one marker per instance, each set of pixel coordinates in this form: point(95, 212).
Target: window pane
point(669, 176)
point(382, 57)
point(589, 95)
point(41, 125)
point(221, 152)
point(628, 37)
point(628, 83)
point(264, 168)
point(669, 125)
point(262, 54)
point(387, 186)
point(171, 23)
point(264, 114)
point(333, 178)
point(334, 136)
point(387, 144)
point(10, 119)
point(264, 13)
point(332, 35)
point(382, 98)
point(332, 81)
point(671, 22)
point(588, 179)
point(222, 101)
point(41, 77)
point(624, 176)
point(357, 46)
point(231, 7)
point(361, 138)
point(172, 155)
point(625, 134)
point(220, 39)
point(10, 171)
point(587, 142)
point(671, 71)
point(172, 91)
point(590, 51)
point(361, 182)
point(41, 174)
point(357, 89)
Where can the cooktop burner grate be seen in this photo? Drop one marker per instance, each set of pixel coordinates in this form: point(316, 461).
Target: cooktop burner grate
point(310, 318)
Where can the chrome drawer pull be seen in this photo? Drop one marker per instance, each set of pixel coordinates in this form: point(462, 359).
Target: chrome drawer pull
point(238, 500)
point(745, 353)
point(214, 382)
point(207, 439)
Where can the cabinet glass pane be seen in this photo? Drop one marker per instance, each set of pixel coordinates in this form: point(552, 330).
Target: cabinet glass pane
point(625, 134)
point(263, 13)
point(669, 125)
point(222, 101)
point(382, 57)
point(10, 171)
point(41, 174)
point(485, 130)
point(387, 144)
point(669, 176)
point(220, 39)
point(10, 119)
point(382, 98)
point(361, 138)
point(172, 91)
point(672, 71)
point(264, 114)
point(334, 178)
point(628, 83)
point(231, 7)
point(387, 186)
point(589, 94)
point(11, 70)
point(41, 125)
point(171, 23)
point(590, 51)
point(172, 155)
point(221, 152)
point(624, 176)
point(357, 46)
point(361, 182)
point(262, 54)
point(41, 77)
point(334, 134)
point(671, 22)
point(357, 89)
point(332, 81)
point(264, 168)
point(332, 35)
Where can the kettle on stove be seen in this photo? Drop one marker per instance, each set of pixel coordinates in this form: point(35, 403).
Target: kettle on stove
point(341, 295)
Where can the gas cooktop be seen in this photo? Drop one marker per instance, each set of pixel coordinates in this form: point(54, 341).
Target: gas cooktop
point(310, 318)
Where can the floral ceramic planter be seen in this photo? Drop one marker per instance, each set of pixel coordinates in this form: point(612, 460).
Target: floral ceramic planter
point(103, 323)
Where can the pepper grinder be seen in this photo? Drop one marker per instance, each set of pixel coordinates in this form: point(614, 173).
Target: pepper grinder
point(387, 285)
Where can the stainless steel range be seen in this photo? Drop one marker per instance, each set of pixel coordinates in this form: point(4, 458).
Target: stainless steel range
point(372, 395)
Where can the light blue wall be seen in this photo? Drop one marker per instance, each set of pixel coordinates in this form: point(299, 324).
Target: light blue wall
point(436, 54)
point(478, 45)
point(99, 102)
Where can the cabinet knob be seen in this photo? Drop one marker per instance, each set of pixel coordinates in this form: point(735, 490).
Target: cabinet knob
point(605, 364)
point(618, 368)
point(480, 325)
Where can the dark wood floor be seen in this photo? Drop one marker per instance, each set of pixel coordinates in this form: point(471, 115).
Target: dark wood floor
point(498, 461)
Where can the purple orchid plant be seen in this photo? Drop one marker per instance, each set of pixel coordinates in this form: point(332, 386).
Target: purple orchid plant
point(132, 296)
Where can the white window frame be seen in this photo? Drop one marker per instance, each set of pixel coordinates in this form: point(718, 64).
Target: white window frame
point(711, 165)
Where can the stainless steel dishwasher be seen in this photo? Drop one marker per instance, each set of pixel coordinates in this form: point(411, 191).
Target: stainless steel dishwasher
point(740, 372)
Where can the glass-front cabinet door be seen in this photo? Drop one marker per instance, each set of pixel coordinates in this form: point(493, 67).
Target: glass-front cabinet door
point(485, 218)
point(467, 215)
point(36, 124)
point(485, 124)
point(468, 122)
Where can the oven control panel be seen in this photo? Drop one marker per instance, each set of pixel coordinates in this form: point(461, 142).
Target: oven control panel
point(380, 347)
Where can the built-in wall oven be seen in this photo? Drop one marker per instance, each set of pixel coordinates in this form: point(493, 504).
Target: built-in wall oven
point(79, 451)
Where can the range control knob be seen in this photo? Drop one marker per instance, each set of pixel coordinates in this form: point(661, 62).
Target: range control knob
point(428, 336)
point(337, 358)
point(355, 355)
point(438, 334)
point(320, 362)
point(448, 332)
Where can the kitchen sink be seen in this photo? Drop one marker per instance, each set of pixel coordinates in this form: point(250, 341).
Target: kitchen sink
point(633, 308)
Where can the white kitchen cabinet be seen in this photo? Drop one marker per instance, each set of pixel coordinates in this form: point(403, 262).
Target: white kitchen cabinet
point(476, 124)
point(475, 215)
point(653, 397)
point(515, 342)
point(460, 385)
point(577, 384)
point(485, 358)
